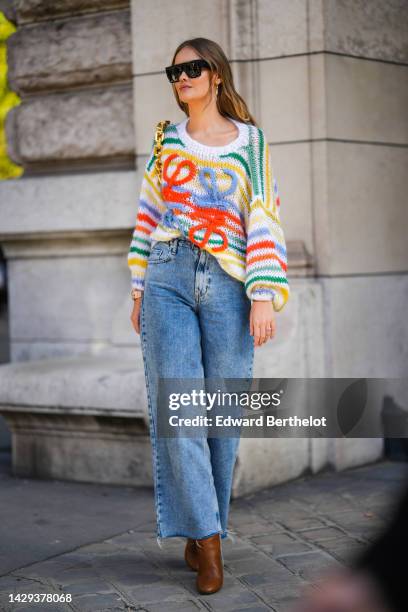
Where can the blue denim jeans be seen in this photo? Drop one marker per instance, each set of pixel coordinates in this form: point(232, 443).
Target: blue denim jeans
point(194, 323)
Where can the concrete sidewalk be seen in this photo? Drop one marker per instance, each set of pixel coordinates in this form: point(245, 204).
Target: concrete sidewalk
point(98, 543)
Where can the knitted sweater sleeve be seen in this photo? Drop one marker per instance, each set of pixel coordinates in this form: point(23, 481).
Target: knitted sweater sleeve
point(150, 210)
point(266, 259)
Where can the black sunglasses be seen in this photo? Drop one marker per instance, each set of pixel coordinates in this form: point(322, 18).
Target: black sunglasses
point(192, 69)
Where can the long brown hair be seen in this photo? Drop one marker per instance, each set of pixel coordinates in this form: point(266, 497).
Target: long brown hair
point(229, 102)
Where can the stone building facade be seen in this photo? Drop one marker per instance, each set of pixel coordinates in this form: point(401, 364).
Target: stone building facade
point(325, 80)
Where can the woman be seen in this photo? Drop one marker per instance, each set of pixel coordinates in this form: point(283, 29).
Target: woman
point(208, 264)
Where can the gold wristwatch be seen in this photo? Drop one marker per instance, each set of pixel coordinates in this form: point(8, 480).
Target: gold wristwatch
point(136, 293)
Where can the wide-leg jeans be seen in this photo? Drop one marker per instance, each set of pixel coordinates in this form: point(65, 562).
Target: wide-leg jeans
point(194, 324)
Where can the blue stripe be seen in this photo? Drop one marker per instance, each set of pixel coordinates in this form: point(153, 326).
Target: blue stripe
point(150, 208)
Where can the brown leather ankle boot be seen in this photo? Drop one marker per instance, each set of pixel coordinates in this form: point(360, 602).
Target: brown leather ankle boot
point(191, 554)
point(210, 564)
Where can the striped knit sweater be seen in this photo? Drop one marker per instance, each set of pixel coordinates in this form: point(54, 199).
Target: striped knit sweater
point(222, 198)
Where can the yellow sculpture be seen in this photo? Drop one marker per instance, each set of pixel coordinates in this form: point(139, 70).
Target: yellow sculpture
point(8, 99)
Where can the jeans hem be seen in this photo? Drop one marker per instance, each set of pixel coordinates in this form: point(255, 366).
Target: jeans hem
point(223, 535)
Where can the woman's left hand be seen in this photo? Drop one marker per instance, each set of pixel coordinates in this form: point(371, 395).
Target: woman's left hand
point(262, 322)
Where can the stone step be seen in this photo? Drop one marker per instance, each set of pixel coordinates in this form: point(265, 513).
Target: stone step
point(80, 418)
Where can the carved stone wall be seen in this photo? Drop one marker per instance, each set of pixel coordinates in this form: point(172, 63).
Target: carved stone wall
point(67, 222)
point(71, 63)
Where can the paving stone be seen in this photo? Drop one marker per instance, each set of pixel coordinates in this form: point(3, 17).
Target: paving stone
point(167, 562)
point(258, 528)
point(280, 543)
point(10, 582)
point(255, 580)
point(288, 587)
point(118, 563)
point(111, 563)
point(135, 578)
point(99, 603)
point(324, 503)
point(190, 605)
point(285, 606)
point(256, 563)
point(129, 539)
point(309, 565)
point(222, 601)
point(243, 515)
point(88, 587)
point(187, 579)
point(307, 523)
point(100, 548)
point(275, 584)
point(160, 561)
point(342, 543)
point(169, 545)
point(277, 510)
point(255, 608)
point(68, 576)
point(157, 592)
point(4, 601)
point(290, 516)
point(48, 569)
point(353, 515)
point(359, 523)
point(323, 534)
point(240, 552)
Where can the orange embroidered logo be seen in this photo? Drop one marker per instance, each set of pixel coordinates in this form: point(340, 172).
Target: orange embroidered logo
point(212, 214)
point(168, 191)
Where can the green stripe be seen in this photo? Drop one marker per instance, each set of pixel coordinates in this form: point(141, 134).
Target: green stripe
point(274, 279)
point(143, 240)
point(152, 157)
point(240, 159)
point(137, 250)
point(272, 266)
point(170, 140)
point(253, 161)
point(261, 162)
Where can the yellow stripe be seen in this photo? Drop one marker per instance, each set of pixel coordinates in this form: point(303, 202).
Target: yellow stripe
point(284, 296)
point(244, 197)
point(230, 257)
point(258, 204)
point(137, 261)
point(154, 193)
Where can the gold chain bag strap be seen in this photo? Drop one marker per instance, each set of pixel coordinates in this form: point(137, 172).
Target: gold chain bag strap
point(158, 140)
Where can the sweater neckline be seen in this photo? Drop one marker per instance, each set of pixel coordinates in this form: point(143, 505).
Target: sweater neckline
point(213, 150)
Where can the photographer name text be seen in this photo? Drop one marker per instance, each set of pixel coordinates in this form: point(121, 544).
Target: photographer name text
point(259, 421)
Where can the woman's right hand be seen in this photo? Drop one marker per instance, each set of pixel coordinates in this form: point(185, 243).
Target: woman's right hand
point(135, 316)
